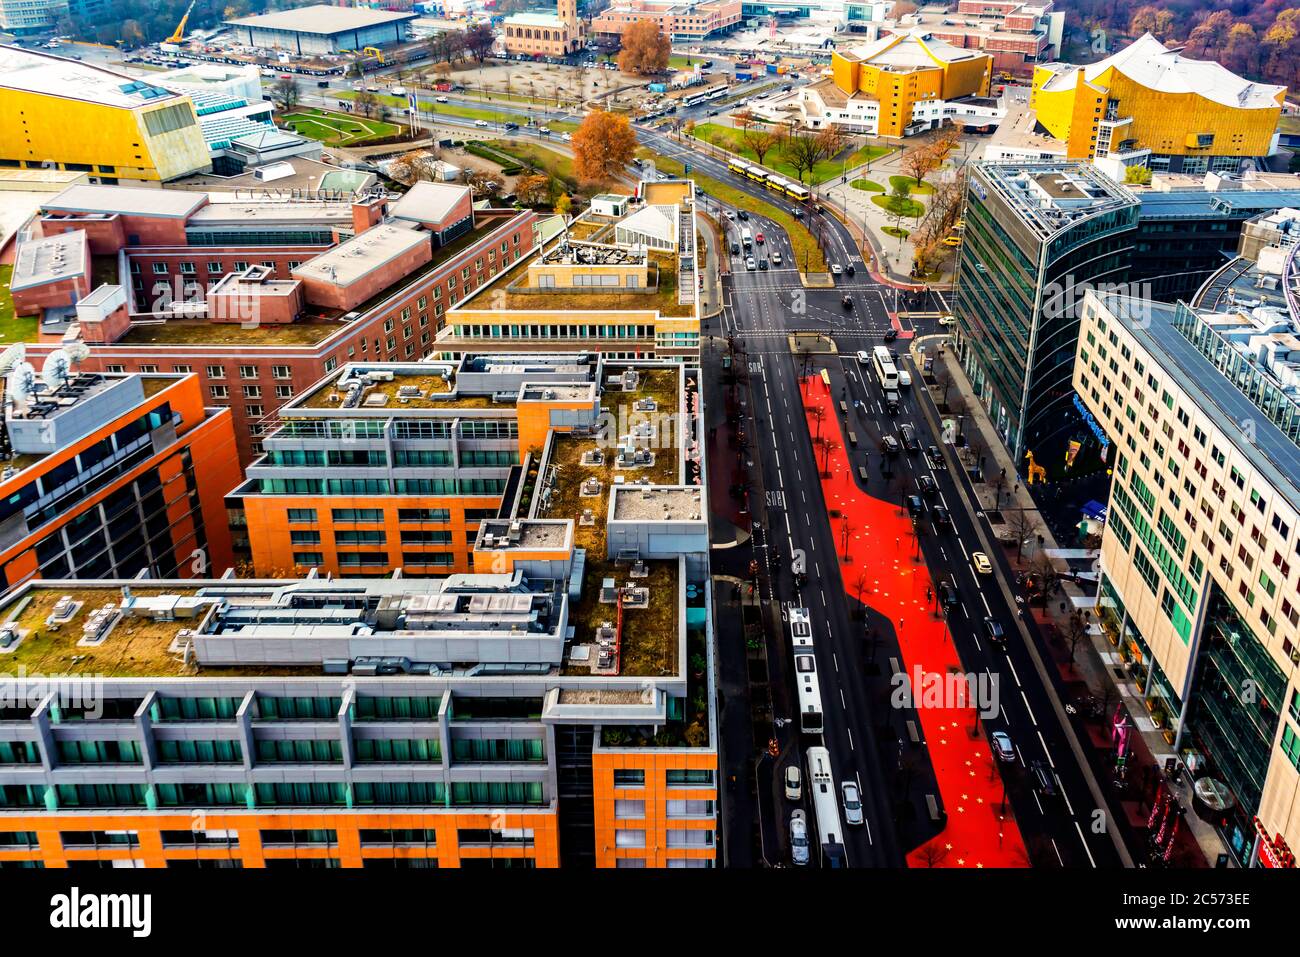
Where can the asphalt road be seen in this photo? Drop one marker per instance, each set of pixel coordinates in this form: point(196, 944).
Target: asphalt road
point(762, 308)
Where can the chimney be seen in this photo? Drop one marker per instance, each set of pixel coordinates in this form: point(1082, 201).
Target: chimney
point(368, 212)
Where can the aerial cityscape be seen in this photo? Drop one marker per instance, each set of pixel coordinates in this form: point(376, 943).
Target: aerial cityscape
point(794, 435)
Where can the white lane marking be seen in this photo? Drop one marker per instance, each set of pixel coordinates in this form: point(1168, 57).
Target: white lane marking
point(1031, 714)
point(1045, 751)
point(1091, 859)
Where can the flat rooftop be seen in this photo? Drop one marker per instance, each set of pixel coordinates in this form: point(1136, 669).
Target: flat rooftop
point(663, 503)
point(525, 535)
point(370, 387)
point(32, 71)
point(1271, 451)
point(322, 19)
point(226, 210)
point(125, 200)
point(363, 254)
point(49, 259)
point(1051, 197)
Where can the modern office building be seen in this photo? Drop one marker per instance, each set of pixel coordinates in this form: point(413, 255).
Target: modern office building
point(386, 466)
point(1198, 591)
point(111, 475)
point(556, 34)
point(677, 20)
point(551, 706)
point(1152, 106)
point(31, 16)
point(624, 286)
point(65, 114)
point(901, 84)
point(1036, 237)
point(261, 296)
point(323, 29)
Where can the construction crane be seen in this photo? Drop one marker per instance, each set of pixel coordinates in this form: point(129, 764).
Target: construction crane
point(179, 35)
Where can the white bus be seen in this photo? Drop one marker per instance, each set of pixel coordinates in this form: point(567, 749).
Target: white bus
point(810, 695)
point(690, 99)
point(716, 93)
point(800, 630)
point(826, 808)
point(885, 369)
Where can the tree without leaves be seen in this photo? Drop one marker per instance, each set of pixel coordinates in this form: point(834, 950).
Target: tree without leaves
point(759, 138)
point(1022, 525)
point(478, 40)
point(285, 94)
point(645, 49)
point(483, 182)
point(366, 103)
point(417, 166)
point(602, 147)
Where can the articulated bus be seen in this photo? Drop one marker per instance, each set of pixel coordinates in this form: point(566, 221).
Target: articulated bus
point(797, 191)
point(800, 630)
point(757, 174)
point(738, 167)
point(885, 370)
point(826, 808)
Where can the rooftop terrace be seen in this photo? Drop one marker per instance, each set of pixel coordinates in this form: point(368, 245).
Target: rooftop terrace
point(433, 387)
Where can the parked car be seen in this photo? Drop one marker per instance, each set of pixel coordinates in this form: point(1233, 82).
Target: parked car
point(1002, 746)
point(799, 837)
point(851, 798)
point(981, 563)
point(793, 782)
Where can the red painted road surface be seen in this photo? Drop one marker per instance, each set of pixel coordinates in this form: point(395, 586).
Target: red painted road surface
point(881, 548)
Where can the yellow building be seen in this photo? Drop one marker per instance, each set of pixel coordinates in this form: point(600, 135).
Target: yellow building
point(65, 114)
point(1152, 106)
point(900, 83)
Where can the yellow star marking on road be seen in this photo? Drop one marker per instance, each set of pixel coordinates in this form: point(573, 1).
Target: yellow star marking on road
point(961, 861)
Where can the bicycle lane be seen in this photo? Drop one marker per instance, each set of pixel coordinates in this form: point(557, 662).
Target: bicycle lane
point(977, 833)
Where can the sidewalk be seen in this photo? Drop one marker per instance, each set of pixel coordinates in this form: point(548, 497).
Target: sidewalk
point(1088, 675)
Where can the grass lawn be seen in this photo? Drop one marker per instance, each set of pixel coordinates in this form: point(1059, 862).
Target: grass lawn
point(921, 188)
point(13, 328)
point(907, 207)
point(868, 185)
point(896, 232)
point(337, 129)
point(800, 239)
point(680, 61)
point(554, 164)
point(732, 140)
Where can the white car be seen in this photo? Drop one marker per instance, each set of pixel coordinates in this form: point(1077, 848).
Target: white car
point(981, 563)
point(851, 797)
point(440, 99)
point(836, 269)
point(480, 122)
point(566, 136)
point(749, 263)
point(904, 378)
point(799, 837)
point(793, 782)
point(864, 356)
point(776, 259)
point(545, 131)
point(1002, 746)
point(946, 321)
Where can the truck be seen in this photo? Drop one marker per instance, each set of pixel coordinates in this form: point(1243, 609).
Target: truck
point(743, 76)
point(443, 86)
point(658, 87)
point(746, 238)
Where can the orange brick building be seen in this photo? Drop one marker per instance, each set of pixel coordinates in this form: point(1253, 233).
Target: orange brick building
point(111, 475)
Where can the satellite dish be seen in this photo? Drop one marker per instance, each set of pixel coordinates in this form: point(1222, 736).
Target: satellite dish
point(55, 370)
point(15, 354)
point(77, 351)
point(22, 380)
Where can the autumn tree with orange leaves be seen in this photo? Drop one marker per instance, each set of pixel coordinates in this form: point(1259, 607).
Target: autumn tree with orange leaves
point(602, 146)
point(645, 49)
